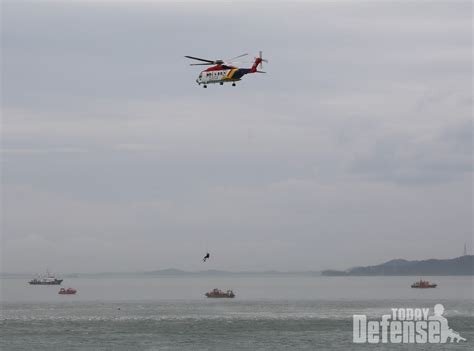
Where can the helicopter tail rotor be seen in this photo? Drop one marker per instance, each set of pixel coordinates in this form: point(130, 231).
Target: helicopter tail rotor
point(261, 59)
point(258, 63)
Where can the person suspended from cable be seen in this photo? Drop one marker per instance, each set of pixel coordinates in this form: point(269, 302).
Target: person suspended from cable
point(206, 257)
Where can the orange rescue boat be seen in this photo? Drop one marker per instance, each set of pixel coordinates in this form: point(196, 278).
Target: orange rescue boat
point(68, 291)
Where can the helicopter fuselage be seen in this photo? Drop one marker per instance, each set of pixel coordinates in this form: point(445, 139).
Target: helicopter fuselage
point(222, 74)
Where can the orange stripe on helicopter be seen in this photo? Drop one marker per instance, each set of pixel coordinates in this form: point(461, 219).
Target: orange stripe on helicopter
point(231, 73)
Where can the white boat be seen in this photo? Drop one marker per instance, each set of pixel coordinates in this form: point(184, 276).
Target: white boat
point(47, 279)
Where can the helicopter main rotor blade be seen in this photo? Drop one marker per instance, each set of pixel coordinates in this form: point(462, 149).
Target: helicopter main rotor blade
point(201, 64)
point(233, 63)
point(199, 59)
point(236, 57)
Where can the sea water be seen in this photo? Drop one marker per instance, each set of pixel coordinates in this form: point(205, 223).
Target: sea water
point(268, 313)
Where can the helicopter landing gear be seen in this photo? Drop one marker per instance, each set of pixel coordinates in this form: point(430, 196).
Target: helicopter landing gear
point(233, 84)
point(205, 86)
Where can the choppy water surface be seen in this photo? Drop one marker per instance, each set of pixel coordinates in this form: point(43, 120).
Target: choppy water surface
point(171, 313)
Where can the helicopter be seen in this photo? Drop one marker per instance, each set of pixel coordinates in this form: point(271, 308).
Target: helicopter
point(224, 71)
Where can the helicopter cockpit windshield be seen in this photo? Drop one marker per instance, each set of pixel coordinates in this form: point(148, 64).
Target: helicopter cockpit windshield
point(199, 78)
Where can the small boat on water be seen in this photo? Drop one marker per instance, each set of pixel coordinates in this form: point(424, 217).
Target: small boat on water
point(217, 293)
point(68, 291)
point(423, 284)
point(48, 279)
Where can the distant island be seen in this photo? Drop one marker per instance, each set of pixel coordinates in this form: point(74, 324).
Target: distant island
point(169, 272)
point(463, 265)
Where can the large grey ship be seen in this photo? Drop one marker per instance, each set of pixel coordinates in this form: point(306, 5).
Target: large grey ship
point(48, 279)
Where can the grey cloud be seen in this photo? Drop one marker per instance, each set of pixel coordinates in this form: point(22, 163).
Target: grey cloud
point(362, 124)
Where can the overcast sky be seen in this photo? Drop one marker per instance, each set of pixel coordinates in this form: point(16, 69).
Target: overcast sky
point(355, 147)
